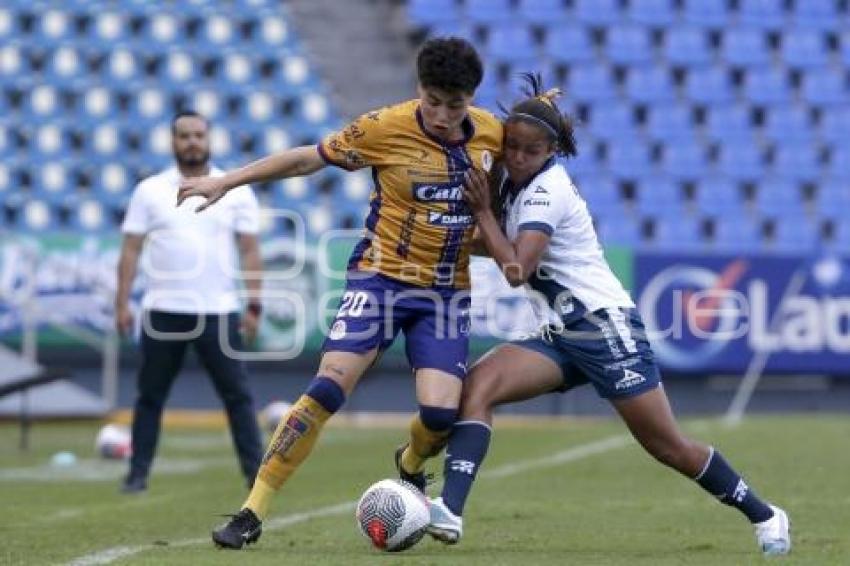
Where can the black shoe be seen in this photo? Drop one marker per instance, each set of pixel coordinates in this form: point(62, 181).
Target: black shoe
point(419, 480)
point(134, 484)
point(242, 528)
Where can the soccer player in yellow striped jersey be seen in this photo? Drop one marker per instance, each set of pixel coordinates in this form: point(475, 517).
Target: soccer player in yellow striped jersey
point(409, 273)
point(418, 189)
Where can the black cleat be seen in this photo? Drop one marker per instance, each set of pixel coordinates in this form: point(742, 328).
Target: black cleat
point(242, 528)
point(419, 480)
point(134, 484)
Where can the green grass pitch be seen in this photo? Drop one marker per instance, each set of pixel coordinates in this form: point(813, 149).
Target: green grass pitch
point(571, 492)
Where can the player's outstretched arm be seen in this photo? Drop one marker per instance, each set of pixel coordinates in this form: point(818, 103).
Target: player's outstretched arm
point(294, 162)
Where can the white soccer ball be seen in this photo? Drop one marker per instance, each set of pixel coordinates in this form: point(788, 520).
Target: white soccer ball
point(113, 442)
point(393, 514)
point(272, 413)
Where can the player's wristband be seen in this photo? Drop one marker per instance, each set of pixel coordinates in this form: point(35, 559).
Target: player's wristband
point(255, 308)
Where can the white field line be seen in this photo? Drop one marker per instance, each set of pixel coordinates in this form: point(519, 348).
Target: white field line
point(579, 452)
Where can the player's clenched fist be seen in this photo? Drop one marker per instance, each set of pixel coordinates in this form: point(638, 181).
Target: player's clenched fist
point(211, 188)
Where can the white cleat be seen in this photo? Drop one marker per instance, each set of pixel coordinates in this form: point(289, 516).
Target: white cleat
point(773, 535)
point(445, 526)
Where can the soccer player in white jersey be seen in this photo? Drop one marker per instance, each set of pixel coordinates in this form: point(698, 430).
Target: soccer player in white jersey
point(590, 330)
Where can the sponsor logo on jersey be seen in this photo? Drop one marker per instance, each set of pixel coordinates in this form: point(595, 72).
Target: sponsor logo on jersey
point(536, 202)
point(630, 379)
point(438, 192)
point(540, 191)
point(447, 219)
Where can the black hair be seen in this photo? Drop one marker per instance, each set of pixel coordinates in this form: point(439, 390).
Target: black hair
point(449, 63)
point(187, 114)
point(539, 108)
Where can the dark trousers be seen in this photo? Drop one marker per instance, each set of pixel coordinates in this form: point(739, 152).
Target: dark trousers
point(162, 358)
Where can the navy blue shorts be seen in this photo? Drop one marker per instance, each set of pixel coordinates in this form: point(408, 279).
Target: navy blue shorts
point(374, 308)
point(607, 348)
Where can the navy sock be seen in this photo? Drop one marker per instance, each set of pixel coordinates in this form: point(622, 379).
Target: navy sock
point(719, 479)
point(327, 393)
point(467, 448)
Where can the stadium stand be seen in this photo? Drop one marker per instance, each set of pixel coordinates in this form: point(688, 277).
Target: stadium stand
point(87, 93)
point(711, 123)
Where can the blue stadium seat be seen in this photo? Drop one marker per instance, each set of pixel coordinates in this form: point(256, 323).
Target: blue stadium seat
point(802, 48)
point(618, 230)
point(89, 216)
point(768, 85)
point(65, 62)
point(741, 160)
point(37, 215)
point(596, 13)
point(738, 232)
point(833, 199)
point(653, 13)
point(778, 196)
point(569, 44)
point(795, 233)
point(677, 232)
point(628, 159)
point(671, 125)
point(788, 123)
point(709, 85)
point(544, 13)
point(834, 125)
point(591, 83)
point(599, 190)
point(687, 46)
point(844, 48)
point(822, 15)
point(628, 45)
point(712, 14)
point(825, 86)
point(659, 195)
point(761, 14)
point(728, 121)
point(488, 12)
point(685, 160)
point(838, 160)
point(511, 43)
point(744, 47)
point(612, 121)
point(650, 85)
point(799, 161)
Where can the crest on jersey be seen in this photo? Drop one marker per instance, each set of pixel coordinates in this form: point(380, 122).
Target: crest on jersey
point(338, 330)
point(486, 160)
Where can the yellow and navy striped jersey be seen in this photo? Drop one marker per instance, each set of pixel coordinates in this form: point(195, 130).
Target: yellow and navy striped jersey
point(419, 228)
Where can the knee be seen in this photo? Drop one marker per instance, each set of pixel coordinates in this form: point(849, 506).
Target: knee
point(478, 395)
point(437, 418)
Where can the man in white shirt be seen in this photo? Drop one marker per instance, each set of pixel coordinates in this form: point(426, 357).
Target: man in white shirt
point(190, 263)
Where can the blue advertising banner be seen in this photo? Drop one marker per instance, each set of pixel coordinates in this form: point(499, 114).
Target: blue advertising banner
point(714, 313)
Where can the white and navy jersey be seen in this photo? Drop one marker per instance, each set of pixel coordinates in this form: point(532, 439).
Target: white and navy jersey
point(573, 265)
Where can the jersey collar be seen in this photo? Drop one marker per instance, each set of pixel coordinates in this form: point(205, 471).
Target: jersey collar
point(513, 190)
point(467, 127)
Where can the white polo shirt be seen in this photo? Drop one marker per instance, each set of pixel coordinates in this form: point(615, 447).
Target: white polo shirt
point(190, 260)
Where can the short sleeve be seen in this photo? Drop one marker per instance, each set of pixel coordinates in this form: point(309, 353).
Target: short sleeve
point(246, 213)
point(542, 208)
point(137, 216)
point(360, 144)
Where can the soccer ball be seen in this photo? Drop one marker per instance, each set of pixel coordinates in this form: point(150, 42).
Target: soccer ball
point(113, 442)
point(272, 413)
point(393, 515)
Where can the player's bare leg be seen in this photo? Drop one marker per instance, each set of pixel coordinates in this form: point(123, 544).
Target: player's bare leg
point(650, 420)
point(492, 381)
point(293, 441)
